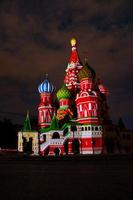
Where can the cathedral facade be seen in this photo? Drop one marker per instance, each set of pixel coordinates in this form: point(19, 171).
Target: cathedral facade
point(71, 120)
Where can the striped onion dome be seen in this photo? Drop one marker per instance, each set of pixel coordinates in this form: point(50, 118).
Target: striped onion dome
point(86, 72)
point(46, 86)
point(63, 93)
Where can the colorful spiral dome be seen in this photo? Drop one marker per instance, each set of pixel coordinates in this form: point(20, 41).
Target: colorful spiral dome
point(63, 93)
point(86, 72)
point(46, 86)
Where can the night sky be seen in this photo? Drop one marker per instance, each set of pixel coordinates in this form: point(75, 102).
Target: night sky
point(35, 40)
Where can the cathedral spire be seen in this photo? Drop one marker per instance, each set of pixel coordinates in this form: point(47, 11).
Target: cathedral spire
point(74, 58)
point(71, 77)
point(27, 125)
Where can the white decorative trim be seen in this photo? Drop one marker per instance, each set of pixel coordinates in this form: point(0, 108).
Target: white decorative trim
point(44, 107)
point(87, 152)
point(87, 118)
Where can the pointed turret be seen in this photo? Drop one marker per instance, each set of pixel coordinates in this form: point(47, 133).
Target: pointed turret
point(74, 58)
point(71, 77)
point(54, 123)
point(27, 125)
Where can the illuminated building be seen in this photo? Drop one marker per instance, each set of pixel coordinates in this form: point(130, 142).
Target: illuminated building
point(76, 126)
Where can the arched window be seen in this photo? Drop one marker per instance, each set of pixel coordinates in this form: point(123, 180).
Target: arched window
point(56, 135)
point(96, 128)
point(85, 113)
point(100, 128)
point(57, 151)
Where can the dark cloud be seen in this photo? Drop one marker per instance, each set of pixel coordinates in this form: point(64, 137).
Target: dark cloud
point(34, 40)
point(40, 39)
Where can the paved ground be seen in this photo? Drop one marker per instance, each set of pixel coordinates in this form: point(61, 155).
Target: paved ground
point(100, 177)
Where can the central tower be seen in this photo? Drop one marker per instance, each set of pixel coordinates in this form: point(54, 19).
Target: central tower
point(71, 77)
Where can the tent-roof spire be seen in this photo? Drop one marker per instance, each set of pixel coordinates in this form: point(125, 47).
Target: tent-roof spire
point(74, 58)
point(27, 125)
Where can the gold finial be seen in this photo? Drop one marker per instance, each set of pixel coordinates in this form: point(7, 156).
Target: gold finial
point(86, 60)
point(46, 75)
point(73, 42)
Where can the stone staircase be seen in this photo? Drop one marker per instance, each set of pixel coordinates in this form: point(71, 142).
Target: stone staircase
point(53, 142)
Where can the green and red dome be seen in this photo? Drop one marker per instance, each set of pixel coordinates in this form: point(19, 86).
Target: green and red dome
point(63, 93)
point(86, 72)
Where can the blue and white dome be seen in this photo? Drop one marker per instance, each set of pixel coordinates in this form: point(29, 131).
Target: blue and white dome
point(46, 86)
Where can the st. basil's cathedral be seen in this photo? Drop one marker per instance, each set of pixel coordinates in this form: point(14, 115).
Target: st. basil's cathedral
point(72, 120)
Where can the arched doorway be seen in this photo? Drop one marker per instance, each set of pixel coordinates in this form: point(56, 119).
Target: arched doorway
point(75, 146)
point(57, 151)
point(56, 135)
point(27, 145)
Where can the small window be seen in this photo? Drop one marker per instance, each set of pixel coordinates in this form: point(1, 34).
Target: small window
point(85, 128)
point(89, 128)
point(92, 128)
point(82, 129)
point(96, 128)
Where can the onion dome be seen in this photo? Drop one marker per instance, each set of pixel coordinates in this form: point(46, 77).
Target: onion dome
point(63, 93)
point(46, 86)
point(86, 72)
